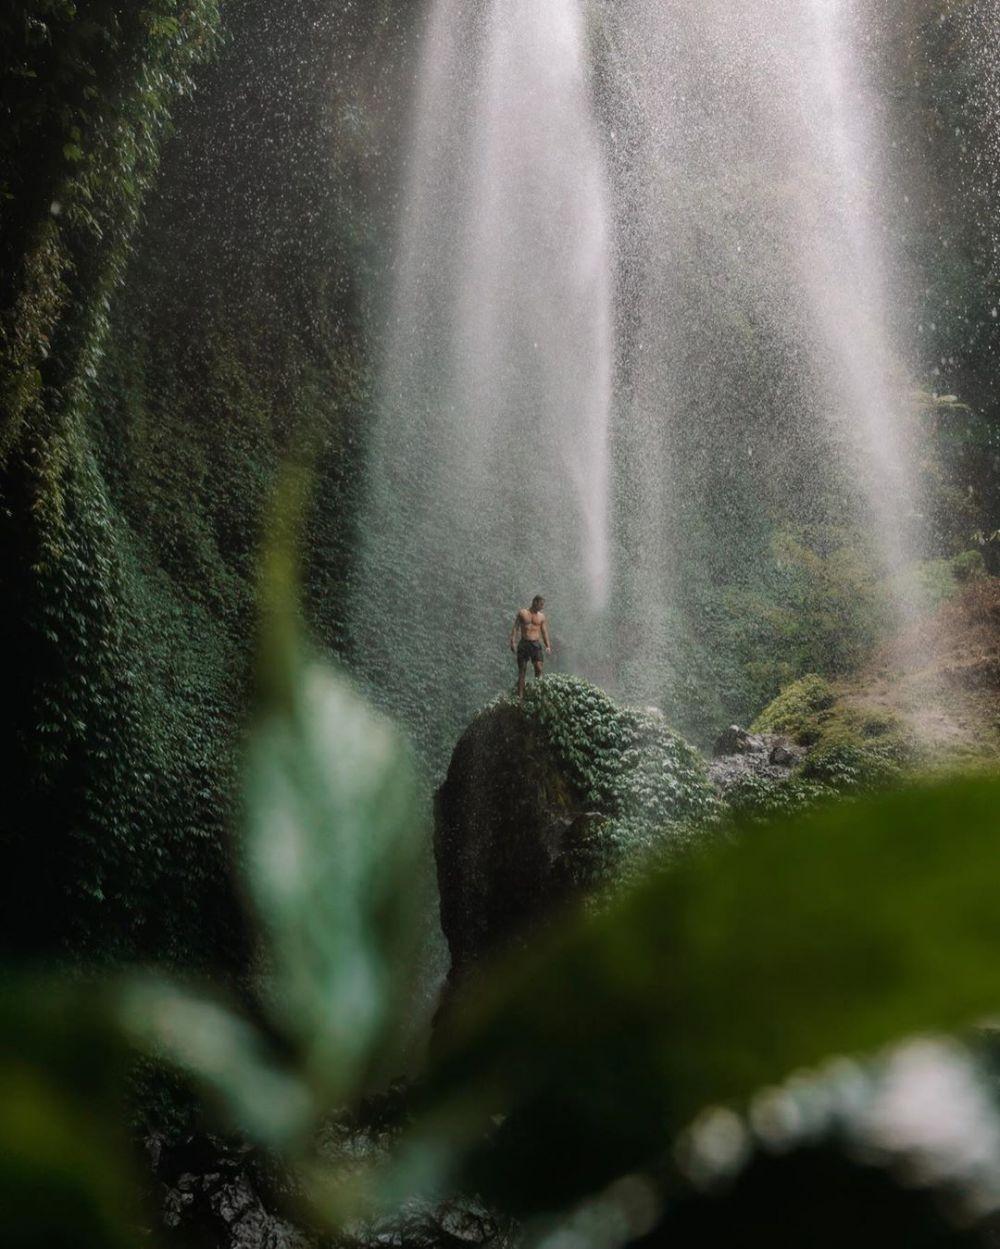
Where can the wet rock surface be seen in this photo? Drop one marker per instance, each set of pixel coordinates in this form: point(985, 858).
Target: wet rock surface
point(216, 1194)
point(213, 1193)
point(739, 753)
point(564, 797)
point(509, 837)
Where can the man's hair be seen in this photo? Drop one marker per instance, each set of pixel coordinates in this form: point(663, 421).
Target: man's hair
point(537, 602)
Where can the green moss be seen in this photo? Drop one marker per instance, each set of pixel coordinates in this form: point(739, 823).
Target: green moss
point(850, 747)
point(625, 763)
point(89, 105)
point(849, 765)
point(650, 785)
point(147, 411)
point(647, 786)
point(797, 711)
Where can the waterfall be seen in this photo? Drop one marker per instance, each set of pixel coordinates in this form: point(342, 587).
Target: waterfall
point(639, 347)
point(490, 462)
point(844, 266)
point(759, 373)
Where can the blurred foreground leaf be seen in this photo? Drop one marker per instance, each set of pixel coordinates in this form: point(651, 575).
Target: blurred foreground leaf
point(227, 1056)
point(835, 933)
point(65, 1167)
point(334, 833)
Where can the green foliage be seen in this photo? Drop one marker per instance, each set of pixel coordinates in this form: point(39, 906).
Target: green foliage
point(935, 581)
point(333, 839)
point(334, 832)
point(622, 761)
point(151, 425)
point(119, 728)
point(125, 770)
point(139, 442)
point(66, 1177)
point(703, 984)
point(758, 798)
point(645, 790)
point(88, 90)
point(845, 765)
point(239, 1070)
point(807, 600)
point(832, 934)
point(795, 712)
point(851, 748)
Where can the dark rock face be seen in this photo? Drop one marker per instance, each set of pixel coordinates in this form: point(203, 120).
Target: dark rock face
point(783, 756)
point(554, 799)
point(215, 1193)
point(510, 836)
point(733, 741)
point(219, 1194)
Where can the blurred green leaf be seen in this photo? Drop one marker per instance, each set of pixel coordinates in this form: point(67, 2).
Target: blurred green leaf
point(335, 826)
point(223, 1053)
point(66, 1177)
point(835, 933)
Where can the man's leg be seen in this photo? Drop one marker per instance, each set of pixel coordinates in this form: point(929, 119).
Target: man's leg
point(538, 668)
point(522, 672)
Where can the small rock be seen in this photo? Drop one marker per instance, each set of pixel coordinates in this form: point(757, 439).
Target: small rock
point(733, 741)
point(233, 1201)
point(467, 1222)
point(783, 756)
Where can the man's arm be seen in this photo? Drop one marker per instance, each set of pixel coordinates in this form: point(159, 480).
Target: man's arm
point(545, 635)
point(513, 632)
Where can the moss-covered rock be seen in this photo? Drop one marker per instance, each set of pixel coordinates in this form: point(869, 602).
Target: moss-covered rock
point(850, 746)
point(796, 711)
point(551, 799)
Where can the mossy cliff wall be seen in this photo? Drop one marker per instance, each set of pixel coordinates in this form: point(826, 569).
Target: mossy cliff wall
point(158, 370)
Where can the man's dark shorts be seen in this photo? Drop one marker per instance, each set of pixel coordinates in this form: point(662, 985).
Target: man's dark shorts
point(529, 652)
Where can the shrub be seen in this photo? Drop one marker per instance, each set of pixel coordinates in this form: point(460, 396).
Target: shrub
point(623, 761)
point(759, 798)
point(844, 764)
point(795, 712)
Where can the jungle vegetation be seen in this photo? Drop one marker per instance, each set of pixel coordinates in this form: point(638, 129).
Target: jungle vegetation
point(194, 206)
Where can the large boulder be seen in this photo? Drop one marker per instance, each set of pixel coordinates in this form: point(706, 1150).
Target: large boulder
point(553, 799)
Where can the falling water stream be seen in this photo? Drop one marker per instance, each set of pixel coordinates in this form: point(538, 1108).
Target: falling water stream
point(605, 287)
point(758, 374)
point(489, 474)
point(846, 278)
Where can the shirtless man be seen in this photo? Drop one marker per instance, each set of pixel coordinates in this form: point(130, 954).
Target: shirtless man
point(531, 624)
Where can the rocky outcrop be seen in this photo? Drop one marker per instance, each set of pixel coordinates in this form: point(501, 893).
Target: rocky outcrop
point(223, 1194)
point(555, 798)
point(511, 835)
point(739, 753)
point(812, 743)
